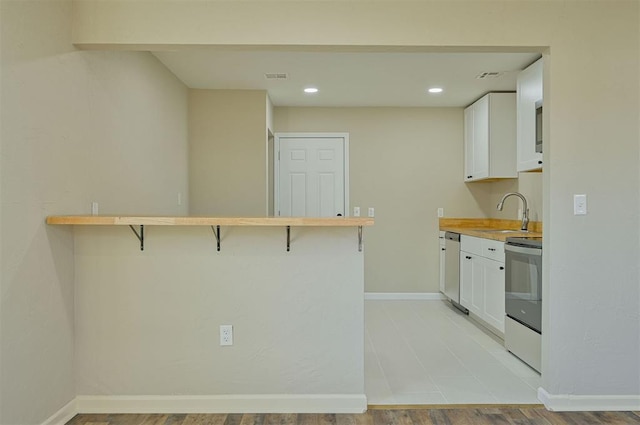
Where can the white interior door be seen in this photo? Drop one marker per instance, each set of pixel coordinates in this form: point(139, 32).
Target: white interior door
point(311, 175)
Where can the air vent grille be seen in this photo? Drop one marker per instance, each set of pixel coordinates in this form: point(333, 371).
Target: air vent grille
point(489, 74)
point(276, 76)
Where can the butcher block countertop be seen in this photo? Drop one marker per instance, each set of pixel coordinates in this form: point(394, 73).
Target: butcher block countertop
point(108, 220)
point(489, 228)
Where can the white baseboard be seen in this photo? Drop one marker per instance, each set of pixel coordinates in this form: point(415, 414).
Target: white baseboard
point(63, 415)
point(241, 403)
point(403, 296)
point(572, 403)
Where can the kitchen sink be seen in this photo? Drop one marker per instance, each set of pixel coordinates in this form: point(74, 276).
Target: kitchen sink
point(509, 231)
point(500, 231)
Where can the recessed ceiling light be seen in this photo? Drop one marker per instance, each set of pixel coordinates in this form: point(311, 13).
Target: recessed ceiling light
point(311, 90)
point(435, 90)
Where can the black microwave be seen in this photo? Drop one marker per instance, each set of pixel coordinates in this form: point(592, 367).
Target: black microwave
point(539, 126)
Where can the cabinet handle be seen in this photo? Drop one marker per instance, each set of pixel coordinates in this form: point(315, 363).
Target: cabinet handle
point(467, 257)
point(491, 249)
point(443, 249)
point(469, 177)
point(501, 268)
point(540, 162)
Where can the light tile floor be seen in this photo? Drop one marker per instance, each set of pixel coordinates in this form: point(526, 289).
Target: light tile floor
point(426, 352)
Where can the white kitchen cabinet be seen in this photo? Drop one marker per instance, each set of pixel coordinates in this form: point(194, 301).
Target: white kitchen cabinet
point(529, 92)
point(442, 259)
point(493, 311)
point(482, 281)
point(477, 285)
point(490, 138)
point(466, 279)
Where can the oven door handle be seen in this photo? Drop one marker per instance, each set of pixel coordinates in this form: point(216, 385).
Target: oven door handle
point(523, 250)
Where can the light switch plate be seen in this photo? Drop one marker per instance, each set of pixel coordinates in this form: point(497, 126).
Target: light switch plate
point(580, 204)
point(356, 211)
point(371, 212)
point(440, 212)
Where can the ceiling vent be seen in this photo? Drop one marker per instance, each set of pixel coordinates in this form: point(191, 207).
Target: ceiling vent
point(489, 74)
point(276, 76)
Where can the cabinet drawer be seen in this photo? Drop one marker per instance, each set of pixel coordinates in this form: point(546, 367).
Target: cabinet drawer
point(472, 245)
point(493, 249)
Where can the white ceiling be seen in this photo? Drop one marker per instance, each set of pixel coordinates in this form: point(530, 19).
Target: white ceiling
point(350, 78)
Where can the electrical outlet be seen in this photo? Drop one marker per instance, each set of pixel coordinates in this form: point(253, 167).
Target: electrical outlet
point(371, 212)
point(94, 208)
point(226, 334)
point(356, 211)
point(440, 212)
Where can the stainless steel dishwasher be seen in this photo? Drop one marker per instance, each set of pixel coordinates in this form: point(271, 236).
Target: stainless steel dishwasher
point(452, 269)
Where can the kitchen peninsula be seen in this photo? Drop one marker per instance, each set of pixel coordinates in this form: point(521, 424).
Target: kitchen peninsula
point(152, 292)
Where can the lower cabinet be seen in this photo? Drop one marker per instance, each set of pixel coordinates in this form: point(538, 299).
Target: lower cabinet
point(471, 283)
point(442, 259)
point(493, 311)
point(482, 285)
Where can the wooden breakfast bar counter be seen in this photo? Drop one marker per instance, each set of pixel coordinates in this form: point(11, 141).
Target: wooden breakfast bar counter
point(147, 321)
point(214, 222)
point(114, 220)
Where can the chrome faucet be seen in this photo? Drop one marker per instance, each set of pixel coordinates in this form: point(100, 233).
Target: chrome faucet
point(525, 209)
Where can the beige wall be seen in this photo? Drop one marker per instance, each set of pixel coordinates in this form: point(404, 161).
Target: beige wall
point(76, 127)
point(298, 323)
point(591, 317)
point(228, 152)
point(529, 184)
point(406, 163)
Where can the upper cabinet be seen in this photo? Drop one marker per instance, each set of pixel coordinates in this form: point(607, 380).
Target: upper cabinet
point(529, 91)
point(489, 138)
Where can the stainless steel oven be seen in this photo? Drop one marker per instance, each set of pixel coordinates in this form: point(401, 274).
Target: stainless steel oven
point(523, 281)
point(523, 298)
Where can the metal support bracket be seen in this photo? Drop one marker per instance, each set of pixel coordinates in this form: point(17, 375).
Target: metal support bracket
point(140, 235)
point(359, 238)
point(288, 238)
point(216, 232)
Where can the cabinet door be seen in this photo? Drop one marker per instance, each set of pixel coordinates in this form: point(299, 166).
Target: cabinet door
point(494, 293)
point(476, 305)
point(476, 140)
point(529, 91)
point(466, 279)
point(468, 143)
point(442, 252)
point(481, 138)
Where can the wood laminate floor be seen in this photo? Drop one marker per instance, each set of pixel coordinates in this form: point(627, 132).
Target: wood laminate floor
point(461, 416)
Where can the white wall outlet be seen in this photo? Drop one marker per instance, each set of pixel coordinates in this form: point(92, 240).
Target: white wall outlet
point(519, 213)
point(440, 212)
point(356, 211)
point(579, 204)
point(371, 212)
point(94, 208)
point(226, 334)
